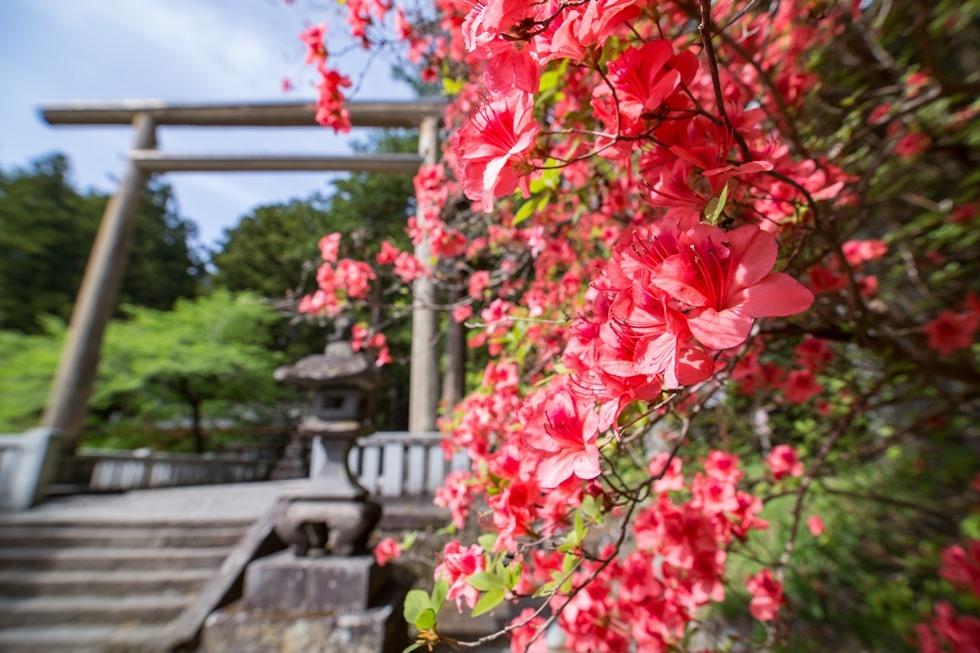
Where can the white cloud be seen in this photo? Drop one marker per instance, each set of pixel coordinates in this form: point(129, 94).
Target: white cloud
point(220, 50)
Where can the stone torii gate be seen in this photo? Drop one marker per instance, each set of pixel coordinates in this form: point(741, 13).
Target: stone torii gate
point(96, 301)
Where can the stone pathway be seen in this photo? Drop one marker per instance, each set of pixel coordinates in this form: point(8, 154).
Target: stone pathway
point(239, 501)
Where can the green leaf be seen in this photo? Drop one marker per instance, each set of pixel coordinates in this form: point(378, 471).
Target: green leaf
point(514, 574)
point(412, 647)
point(439, 593)
point(568, 563)
point(416, 602)
point(426, 620)
point(488, 602)
point(487, 541)
point(546, 589)
point(409, 540)
point(452, 86)
point(590, 507)
point(715, 206)
point(448, 529)
point(485, 581)
point(548, 178)
point(970, 527)
point(576, 536)
point(549, 80)
point(525, 212)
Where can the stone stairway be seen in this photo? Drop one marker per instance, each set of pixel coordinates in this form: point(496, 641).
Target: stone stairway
point(102, 585)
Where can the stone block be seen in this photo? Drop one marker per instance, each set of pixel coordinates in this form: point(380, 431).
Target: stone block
point(285, 582)
point(235, 629)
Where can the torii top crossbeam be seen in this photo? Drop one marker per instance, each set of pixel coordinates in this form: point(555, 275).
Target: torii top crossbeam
point(96, 299)
point(253, 114)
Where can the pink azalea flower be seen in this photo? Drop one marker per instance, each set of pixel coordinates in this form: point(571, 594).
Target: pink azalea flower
point(646, 77)
point(815, 525)
point(456, 495)
point(387, 550)
point(814, 353)
point(568, 449)
point(800, 386)
point(949, 631)
point(860, 251)
point(520, 638)
point(330, 109)
point(911, 145)
point(670, 475)
point(767, 595)
point(512, 67)
point(457, 565)
point(355, 277)
point(728, 281)
point(880, 113)
point(723, 465)
point(488, 18)
point(358, 337)
point(964, 214)
point(312, 37)
point(961, 566)
point(783, 461)
point(493, 148)
point(388, 253)
point(462, 313)
point(951, 331)
point(408, 268)
point(330, 247)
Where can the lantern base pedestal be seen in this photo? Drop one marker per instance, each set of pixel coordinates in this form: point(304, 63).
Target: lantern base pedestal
point(379, 628)
point(314, 605)
point(285, 582)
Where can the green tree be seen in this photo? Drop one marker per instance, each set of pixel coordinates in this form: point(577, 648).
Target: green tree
point(209, 352)
point(46, 231)
point(265, 252)
point(269, 249)
point(209, 355)
point(29, 362)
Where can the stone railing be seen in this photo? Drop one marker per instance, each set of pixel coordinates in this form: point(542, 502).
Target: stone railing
point(397, 464)
point(143, 468)
point(25, 461)
point(388, 465)
point(11, 452)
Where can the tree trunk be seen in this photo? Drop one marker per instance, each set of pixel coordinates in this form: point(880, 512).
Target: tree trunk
point(454, 375)
point(196, 431)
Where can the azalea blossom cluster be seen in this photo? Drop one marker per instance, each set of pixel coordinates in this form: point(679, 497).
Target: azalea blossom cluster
point(947, 630)
point(330, 109)
point(646, 243)
point(337, 280)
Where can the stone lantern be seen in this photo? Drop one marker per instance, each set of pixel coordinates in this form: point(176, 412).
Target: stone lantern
point(331, 514)
point(325, 593)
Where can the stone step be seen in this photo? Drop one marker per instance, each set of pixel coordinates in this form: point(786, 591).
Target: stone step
point(91, 610)
point(107, 559)
point(104, 583)
point(80, 639)
point(28, 537)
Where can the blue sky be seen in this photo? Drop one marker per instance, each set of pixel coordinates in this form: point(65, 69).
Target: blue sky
point(188, 50)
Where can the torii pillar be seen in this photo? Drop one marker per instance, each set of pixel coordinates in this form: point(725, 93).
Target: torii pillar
point(423, 399)
point(68, 401)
